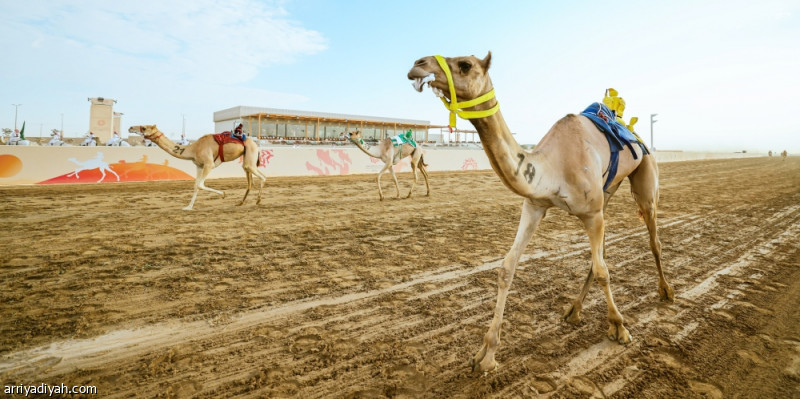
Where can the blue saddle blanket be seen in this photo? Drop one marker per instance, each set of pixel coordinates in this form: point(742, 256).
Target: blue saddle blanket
point(617, 134)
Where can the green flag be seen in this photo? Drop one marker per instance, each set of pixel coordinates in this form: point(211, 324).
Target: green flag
point(22, 132)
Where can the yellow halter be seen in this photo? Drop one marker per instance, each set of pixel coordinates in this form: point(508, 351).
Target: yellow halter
point(456, 107)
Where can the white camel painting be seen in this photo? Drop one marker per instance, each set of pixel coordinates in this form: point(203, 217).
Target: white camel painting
point(95, 163)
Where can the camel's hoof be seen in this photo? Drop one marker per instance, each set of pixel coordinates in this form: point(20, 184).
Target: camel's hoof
point(223, 195)
point(258, 202)
point(188, 208)
point(240, 204)
point(619, 333)
point(480, 367)
point(666, 293)
point(572, 315)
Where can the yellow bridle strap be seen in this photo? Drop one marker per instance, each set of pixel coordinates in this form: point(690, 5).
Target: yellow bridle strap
point(455, 107)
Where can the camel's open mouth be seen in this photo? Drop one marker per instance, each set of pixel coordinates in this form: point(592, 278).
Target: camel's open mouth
point(419, 83)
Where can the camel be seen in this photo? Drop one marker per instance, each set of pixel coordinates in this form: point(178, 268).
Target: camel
point(205, 154)
point(784, 154)
point(385, 151)
point(95, 163)
point(565, 170)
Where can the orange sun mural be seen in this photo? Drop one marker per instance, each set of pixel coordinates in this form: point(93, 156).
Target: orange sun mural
point(9, 165)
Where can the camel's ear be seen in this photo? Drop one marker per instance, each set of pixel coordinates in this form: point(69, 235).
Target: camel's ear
point(486, 62)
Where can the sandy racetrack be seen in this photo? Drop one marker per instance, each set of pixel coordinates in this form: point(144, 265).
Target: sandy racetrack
point(323, 291)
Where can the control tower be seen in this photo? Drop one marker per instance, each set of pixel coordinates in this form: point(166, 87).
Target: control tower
point(102, 118)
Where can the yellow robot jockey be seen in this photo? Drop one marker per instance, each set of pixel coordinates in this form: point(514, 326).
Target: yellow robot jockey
point(617, 104)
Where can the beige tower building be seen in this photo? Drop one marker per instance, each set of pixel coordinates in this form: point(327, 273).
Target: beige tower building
point(117, 123)
point(102, 118)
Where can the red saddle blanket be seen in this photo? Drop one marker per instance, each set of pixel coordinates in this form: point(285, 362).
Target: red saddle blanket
point(225, 138)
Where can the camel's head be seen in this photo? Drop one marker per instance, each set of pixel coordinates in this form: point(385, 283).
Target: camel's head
point(355, 137)
point(148, 131)
point(470, 76)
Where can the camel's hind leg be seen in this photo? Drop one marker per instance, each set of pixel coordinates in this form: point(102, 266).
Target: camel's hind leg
point(644, 188)
point(573, 313)
point(263, 179)
point(250, 171)
point(199, 184)
point(424, 171)
point(531, 215)
point(415, 157)
point(250, 166)
point(249, 185)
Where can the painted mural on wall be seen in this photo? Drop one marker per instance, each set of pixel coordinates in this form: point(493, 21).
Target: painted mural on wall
point(470, 164)
point(96, 170)
point(330, 162)
point(10, 165)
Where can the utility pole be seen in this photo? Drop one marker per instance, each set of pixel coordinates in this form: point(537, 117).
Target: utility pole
point(61, 136)
point(183, 132)
point(15, 115)
point(652, 121)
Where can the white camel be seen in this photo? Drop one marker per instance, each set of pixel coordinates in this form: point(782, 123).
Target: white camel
point(96, 163)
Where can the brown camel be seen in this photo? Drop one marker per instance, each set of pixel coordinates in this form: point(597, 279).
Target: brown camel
point(386, 152)
point(784, 154)
point(205, 154)
point(565, 170)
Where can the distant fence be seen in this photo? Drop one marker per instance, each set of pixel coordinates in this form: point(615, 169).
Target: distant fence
point(67, 165)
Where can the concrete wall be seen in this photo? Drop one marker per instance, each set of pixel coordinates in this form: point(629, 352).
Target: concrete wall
point(51, 165)
point(67, 165)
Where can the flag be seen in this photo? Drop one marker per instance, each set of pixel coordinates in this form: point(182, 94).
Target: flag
point(22, 132)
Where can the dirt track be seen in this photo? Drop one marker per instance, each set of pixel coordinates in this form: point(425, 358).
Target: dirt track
point(323, 291)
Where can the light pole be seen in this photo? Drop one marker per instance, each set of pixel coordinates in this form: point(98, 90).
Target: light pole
point(652, 121)
point(15, 115)
point(183, 132)
point(61, 135)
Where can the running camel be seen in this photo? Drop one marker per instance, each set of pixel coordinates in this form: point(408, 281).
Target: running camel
point(386, 152)
point(205, 153)
point(564, 170)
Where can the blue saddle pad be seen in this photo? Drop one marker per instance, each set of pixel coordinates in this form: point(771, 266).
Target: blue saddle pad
point(617, 134)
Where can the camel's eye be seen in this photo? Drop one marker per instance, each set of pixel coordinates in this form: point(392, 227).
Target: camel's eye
point(464, 66)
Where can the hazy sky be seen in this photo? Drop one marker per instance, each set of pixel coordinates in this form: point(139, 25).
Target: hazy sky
point(721, 75)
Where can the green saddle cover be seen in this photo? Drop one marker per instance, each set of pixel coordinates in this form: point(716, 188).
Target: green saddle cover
point(404, 138)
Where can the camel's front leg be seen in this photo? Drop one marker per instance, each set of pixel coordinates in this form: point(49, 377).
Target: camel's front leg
point(595, 228)
point(573, 313)
point(531, 215)
point(394, 177)
point(380, 190)
point(199, 184)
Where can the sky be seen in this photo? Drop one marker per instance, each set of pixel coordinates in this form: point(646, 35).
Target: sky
point(720, 75)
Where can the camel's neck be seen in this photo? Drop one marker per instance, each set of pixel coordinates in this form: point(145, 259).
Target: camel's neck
point(177, 151)
point(371, 152)
point(516, 168)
